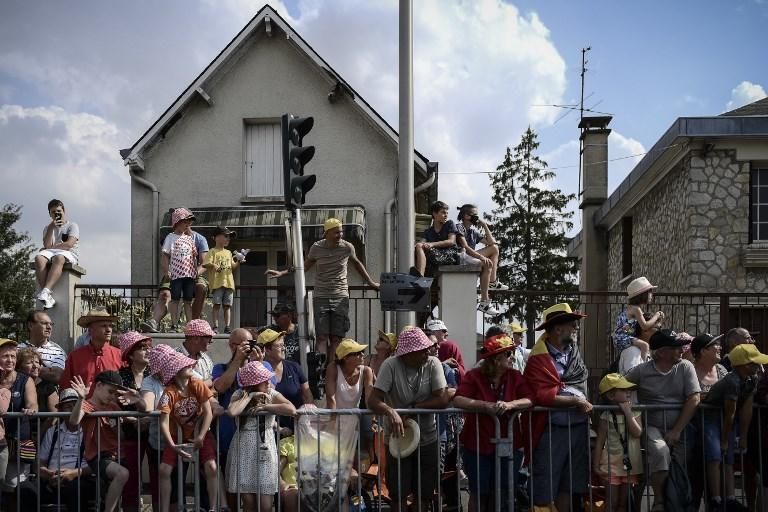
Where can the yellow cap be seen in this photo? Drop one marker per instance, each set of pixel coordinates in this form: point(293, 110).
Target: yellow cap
point(5, 341)
point(614, 381)
point(516, 328)
point(389, 336)
point(331, 223)
point(268, 336)
point(746, 353)
point(348, 346)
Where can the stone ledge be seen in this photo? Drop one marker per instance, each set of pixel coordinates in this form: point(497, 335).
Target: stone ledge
point(75, 269)
point(457, 269)
point(755, 256)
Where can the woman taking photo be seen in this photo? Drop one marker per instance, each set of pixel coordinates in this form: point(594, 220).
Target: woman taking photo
point(291, 381)
point(492, 388)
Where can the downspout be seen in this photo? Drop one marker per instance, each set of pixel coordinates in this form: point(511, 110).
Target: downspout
point(388, 267)
point(155, 230)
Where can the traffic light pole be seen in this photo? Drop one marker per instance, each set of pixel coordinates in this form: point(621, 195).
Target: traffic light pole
point(406, 210)
point(300, 287)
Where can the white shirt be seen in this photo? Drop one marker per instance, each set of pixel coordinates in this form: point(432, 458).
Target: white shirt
point(204, 363)
point(51, 354)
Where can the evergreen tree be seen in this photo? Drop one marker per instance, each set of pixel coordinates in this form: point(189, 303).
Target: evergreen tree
point(530, 223)
point(16, 276)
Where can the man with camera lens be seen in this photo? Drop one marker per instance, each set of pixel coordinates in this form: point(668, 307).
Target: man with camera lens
point(61, 238)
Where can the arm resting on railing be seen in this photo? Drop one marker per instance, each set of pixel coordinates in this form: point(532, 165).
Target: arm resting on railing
point(689, 409)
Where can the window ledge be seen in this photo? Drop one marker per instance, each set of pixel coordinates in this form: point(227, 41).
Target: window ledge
point(755, 255)
point(262, 199)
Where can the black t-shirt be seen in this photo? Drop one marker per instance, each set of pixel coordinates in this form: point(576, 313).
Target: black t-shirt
point(291, 344)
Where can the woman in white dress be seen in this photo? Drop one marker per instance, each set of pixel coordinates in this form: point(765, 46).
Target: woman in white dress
point(252, 463)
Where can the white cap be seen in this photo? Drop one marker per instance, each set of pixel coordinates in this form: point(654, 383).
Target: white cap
point(435, 325)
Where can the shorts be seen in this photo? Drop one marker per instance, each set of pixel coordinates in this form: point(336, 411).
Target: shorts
point(622, 480)
point(183, 288)
point(50, 253)
point(658, 453)
point(100, 463)
point(560, 462)
point(481, 471)
point(206, 453)
point(331, 316)
point(422, 464)
point(165, 283)
point(223, 296)
point(466, 259)
point(712, 451)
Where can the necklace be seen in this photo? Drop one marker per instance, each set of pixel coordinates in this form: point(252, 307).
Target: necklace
point(414, 383)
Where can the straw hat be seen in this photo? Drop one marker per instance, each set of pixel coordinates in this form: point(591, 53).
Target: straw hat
point(401, 447)
point(96, 315)
point(558, 314)
point(638, 286)
point(516, 328)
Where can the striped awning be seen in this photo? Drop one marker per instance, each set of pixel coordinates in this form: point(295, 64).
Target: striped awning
point(253, 224)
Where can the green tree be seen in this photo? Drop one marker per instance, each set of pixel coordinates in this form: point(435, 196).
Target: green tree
point(16, 276)
point(530, 222)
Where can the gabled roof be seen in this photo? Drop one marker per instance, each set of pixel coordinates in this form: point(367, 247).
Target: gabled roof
point(267, 16)
point(757, 108)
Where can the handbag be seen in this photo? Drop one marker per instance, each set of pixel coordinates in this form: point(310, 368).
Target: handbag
point(443, 256)
point(27, 451)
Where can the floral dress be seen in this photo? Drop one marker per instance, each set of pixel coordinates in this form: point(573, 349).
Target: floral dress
point(252, 463)
point(624, 332)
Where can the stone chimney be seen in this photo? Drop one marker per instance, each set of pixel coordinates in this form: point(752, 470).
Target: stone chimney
point(593, 273)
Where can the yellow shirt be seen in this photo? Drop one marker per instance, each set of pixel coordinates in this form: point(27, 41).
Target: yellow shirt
point(220, 272)
point(288, 450)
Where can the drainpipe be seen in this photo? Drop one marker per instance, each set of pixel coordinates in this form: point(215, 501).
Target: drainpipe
point(155, 230)
point(432, 175)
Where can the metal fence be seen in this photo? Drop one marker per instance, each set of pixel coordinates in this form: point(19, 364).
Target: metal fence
point(343, 463)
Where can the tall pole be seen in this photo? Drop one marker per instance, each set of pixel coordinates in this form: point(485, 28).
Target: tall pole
point(581, 110)
point(300, 287)
point(406, 211)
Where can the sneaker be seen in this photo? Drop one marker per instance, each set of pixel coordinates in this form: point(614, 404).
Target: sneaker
point(174, 328)
point(43, 295)
point(498, 285)
point(49, 302)
point(149, 326)
point(487, 309)
point(414, 272)
point(227, 330)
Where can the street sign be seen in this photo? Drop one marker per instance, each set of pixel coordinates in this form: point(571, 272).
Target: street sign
point(404, 292)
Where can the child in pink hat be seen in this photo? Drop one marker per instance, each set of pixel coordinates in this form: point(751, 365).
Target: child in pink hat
point(180, 264)
point(185, 404)
point(252, 463)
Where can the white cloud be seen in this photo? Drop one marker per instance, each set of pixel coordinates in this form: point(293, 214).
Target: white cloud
point(52, 153)
point(744, 93)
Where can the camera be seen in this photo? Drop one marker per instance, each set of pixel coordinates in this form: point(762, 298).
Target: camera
point(252, 345)
point(57, 216)
point(474, 219)
point(627, 464)
point(64, 237)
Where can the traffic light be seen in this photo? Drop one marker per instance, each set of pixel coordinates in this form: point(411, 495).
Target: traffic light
point(295, 157)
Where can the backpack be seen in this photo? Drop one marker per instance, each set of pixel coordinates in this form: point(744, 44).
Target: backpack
point(677, 489)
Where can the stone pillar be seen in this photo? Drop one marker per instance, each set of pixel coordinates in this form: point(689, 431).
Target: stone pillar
point(63, 313)
point(593, 273)
point(458, 307)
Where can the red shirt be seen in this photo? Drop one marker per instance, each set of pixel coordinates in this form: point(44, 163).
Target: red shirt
point(475, 385)
point(87, 362)
point(99, 433)
point(450, 349)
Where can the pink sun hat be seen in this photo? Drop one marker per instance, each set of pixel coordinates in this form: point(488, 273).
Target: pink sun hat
point(172, 364)
point(129, 340)
point(198, 327)
point(253, 374)
point(157, 355)
point(411, 339)
point(180, 214)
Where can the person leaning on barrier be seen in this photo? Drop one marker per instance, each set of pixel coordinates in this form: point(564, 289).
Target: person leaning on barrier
point(666, 380)
point(495, 388)
point(734, 337)
point(559, 440)
point(411, 379)
point(63, 469)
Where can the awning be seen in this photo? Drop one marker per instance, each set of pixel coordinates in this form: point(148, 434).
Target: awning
point(255, 224)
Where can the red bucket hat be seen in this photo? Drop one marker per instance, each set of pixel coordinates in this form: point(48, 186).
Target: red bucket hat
point(157, 355)
point(180, 214)
point(253, 374)
point(172, 364)
point(198, 327)
point(412, 339)
point(129, 340)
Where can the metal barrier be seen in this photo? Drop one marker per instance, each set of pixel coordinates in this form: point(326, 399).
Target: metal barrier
point(427, 480)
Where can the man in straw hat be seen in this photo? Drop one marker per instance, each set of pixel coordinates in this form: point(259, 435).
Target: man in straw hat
point(331, 302)
point(559, 445)
point(666, 380)
point(98, 355)
point(411, 379)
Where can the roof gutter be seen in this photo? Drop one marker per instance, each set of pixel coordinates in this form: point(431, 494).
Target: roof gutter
point(155, 220)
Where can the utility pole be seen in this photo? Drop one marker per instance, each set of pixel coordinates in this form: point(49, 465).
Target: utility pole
point(406, 210)
point(584, 62)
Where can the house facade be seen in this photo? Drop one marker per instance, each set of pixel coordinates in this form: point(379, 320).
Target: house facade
point(692, 217)
point(217, 151)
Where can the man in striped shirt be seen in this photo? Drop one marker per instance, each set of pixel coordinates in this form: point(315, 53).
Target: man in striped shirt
point(52, 355)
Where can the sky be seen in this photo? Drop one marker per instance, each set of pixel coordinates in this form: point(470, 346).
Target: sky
point(80, 80)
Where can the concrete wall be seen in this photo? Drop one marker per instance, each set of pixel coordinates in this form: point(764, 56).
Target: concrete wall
point(199, 162)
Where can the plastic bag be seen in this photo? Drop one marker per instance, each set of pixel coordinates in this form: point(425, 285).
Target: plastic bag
point(326, 450)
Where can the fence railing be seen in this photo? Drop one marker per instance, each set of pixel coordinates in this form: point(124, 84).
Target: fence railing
point(343, 462)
